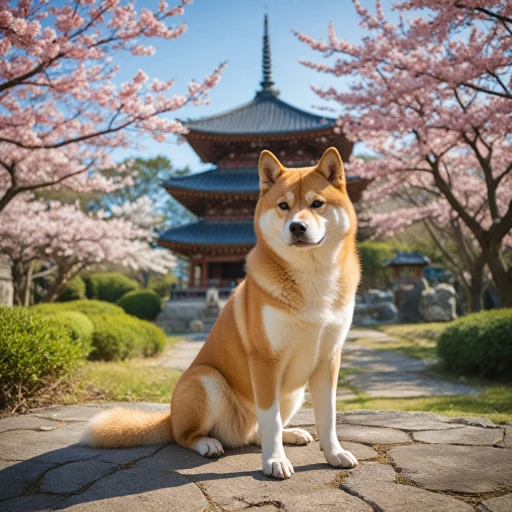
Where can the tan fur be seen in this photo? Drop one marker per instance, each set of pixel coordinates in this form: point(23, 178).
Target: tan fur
point(283, 327)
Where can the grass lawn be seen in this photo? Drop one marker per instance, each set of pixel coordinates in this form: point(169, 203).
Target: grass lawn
point(134, 380)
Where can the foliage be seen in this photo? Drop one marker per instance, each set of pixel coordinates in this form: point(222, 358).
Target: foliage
point(117, 337)
point(79, 326)
point(373, 255)
point(161, 285)
point(431, 96)
point(75, 290)
point(109, 287)
point(145, 304)
point(479, 344)
point(87, 307)
point(34, 353)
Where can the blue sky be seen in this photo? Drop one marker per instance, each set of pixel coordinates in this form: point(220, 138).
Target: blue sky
point(231, 30)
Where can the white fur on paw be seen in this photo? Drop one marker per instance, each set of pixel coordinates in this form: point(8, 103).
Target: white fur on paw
point(297, 436)
point(280, 468)
point(209, 447)
point(341, 459)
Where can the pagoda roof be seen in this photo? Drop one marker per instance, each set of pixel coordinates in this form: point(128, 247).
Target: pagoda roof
point(222, 181)
point(244, 180)
point(212, 233)
point(407, 258)
point(265, 114)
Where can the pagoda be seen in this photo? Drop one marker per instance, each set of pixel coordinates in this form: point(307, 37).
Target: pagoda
point(224, 197)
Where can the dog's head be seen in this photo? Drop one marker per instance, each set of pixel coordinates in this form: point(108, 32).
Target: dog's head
point(306, 209)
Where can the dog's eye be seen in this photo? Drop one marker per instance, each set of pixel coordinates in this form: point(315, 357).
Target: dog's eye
point(317, 204)
point(283, 206)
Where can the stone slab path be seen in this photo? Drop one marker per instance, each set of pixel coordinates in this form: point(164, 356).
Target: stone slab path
point(408, 462)
point(378, 373)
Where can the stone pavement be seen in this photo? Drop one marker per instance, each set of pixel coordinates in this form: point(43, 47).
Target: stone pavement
point(409, 462)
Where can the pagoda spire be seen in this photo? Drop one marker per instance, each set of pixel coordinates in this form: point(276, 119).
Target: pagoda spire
point(267, 83)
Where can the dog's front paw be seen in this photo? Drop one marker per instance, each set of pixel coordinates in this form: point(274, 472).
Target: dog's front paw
point(341, 458)
point(297, 436)
point(280, 468)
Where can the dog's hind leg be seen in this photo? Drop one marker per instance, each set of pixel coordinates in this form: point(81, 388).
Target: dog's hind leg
point(290, 404)
point(206, 415)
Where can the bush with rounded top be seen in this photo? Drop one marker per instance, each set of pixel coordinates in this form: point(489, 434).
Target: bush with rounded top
point(117, 337)
point(35, 351)
point(79, 326)
point(145, 304)
point(75, 290)
point(162, 285)
point(109, 286)
point(87, 307)
point(479, 344)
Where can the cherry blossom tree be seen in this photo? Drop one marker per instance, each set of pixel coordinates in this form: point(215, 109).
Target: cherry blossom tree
point(61, 113)
point(70, 240)
point(432, 97)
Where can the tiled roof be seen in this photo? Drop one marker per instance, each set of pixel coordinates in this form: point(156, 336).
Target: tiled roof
point(244, 180)
point(407, 258)
point(207, 232)
point(265, 114)
point(215, 180)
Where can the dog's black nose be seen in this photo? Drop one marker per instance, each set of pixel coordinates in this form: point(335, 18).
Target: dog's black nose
point(298, 228)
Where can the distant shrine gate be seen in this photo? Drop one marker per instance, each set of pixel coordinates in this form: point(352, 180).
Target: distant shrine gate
point(225, 196)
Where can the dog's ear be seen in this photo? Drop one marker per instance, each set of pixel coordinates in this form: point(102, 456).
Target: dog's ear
point(331, 167)
point(270, 169)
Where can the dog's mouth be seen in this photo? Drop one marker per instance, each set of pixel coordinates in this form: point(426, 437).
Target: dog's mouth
point(299, 242)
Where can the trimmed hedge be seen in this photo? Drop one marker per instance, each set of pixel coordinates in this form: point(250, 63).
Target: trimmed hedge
point(34, 352)
point(79, 326)
point(75, 290)
point(479, 344)
point(109, 287)
point(117, 337)
point(145, 304)
point(87, 307)
point(161, 285)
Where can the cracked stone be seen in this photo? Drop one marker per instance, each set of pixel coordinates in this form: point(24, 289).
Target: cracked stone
point(501, 504)
point(508, 437)
point(148, 486)
point(371, 435)
point(465, 435)
point(303, 417)
point(72, 477)
point(468, 469)
point(236, 480)
point(27, 422)
point(15, 477)
point(69, 413)
point(376, 484)
point(474, 421)
point(398, 419)
point(32, 503)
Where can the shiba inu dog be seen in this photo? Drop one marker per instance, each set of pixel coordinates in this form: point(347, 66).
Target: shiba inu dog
point(283, 329)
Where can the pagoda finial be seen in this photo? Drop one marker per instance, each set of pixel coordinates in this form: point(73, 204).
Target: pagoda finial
point(266, 83)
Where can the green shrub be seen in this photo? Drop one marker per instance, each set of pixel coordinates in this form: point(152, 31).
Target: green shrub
point(479, 344)
point(161, 285)
point(34, 352)
point(75, 290)
point(145, 304)
point(87, 307)
point(118, 337)
point(79, 326)
point(109, 287)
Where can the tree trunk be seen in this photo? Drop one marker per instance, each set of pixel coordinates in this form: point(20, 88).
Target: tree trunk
point(28, 283)
point(501, 276)
point(19, 274)
point(476, 292)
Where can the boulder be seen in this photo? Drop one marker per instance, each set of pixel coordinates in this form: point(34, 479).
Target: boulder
point(196, 326)
point(376, 297)
point(409, 303)
point(438, 304)
point(386, 312)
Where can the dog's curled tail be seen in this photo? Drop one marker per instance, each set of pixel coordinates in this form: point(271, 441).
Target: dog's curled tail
point(121, 428)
